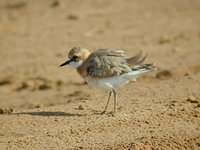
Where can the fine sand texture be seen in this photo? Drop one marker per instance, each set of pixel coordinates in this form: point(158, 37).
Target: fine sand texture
point(43, 106)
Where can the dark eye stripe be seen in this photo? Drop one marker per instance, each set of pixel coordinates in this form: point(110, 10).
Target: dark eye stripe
point(76, 58)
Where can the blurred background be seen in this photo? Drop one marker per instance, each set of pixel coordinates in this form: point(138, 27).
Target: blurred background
point(36, 36)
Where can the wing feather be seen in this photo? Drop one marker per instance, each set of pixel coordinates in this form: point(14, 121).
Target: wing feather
point(107, 63)
point(137, 59)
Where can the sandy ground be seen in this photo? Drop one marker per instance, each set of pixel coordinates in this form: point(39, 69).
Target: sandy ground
point(47, 107)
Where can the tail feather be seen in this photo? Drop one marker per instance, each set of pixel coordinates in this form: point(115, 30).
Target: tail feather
point(139, 70)
point(145, 67)
point(137, 59)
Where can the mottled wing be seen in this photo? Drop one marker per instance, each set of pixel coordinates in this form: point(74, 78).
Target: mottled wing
point(107, 63)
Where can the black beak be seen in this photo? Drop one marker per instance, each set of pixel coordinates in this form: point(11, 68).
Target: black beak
point(65, 63)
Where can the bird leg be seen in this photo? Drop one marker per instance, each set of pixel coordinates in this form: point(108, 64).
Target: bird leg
point(115, 100)
point(110, 93)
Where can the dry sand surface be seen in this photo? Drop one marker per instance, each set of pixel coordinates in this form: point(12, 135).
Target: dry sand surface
point(47, 107)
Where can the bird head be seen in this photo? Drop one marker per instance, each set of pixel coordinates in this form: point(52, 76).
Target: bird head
point(77, 55)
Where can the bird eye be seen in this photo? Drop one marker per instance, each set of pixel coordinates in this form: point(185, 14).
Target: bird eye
point(75, 58)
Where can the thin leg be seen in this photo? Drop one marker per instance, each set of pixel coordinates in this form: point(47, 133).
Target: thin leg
point(115, 100)
point(110, 93)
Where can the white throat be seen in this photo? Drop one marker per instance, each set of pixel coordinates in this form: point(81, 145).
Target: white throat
point(76, 64)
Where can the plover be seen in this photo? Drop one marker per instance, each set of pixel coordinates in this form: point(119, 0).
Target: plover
point(107, 68)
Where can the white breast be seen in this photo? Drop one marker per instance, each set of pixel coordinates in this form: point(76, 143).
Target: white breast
point(114, 82)
point(117, 81)
point(107, 83)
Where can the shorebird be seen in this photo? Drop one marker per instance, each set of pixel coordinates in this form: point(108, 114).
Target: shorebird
point(107, 68)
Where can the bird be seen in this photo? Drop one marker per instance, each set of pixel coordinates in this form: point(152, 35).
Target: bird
point(107, 68)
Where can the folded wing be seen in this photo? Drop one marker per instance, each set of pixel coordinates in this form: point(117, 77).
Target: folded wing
point(107, 63)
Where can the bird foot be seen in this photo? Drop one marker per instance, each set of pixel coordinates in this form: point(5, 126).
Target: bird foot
point(104, 112)
point(108, 113)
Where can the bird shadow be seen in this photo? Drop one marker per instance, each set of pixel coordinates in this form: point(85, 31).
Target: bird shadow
point(51, 113)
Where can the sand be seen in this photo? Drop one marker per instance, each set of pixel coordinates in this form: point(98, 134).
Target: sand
point(43, 106)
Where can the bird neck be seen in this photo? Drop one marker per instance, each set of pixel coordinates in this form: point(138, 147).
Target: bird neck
point(82, 70)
